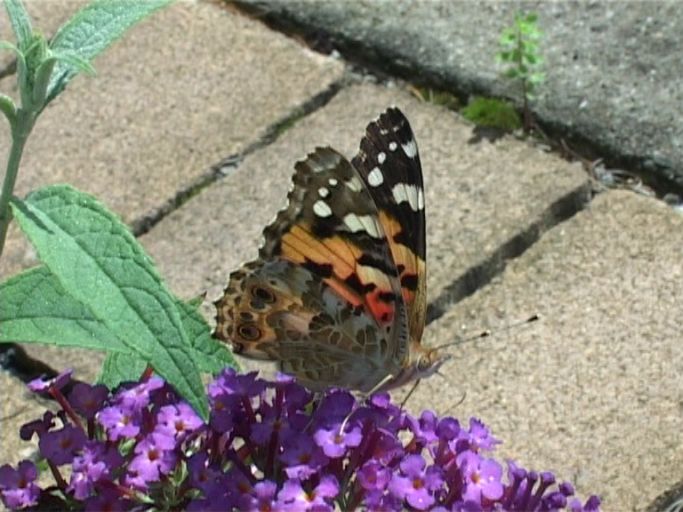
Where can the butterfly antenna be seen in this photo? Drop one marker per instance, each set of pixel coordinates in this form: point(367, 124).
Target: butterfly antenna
point(486, 333)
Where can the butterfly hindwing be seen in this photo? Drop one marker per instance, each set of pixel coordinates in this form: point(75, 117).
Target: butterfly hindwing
point(278, 310)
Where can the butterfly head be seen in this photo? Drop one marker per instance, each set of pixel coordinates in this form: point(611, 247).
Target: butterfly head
point(427, 362)
point(421, 363)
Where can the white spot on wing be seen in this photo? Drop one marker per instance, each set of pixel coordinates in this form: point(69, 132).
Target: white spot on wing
point(410, 148)
point(322, 209)
point(364, 223)
point(381, 157)
point(410, 194)
point(323, 192)
point(333, 182)
point(375, 177)
point(392, 146)
point(355, 184)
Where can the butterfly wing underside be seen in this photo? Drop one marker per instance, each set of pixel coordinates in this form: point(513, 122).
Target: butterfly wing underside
point(338, 289)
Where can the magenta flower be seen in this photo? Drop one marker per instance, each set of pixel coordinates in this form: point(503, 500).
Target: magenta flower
point(17, 486)
point(415, 484)
point(268, 446)
point(41, 385)
point(301, 457)
point(336, 444)
point(177, 421)
point(139, 396)
point(152, 460)
point(293, 497)
point(86, 399)
point(373, 476)
point(60, 446)
point(39, 426)
point(94, 464)
point(119, 422)
point(482, 477)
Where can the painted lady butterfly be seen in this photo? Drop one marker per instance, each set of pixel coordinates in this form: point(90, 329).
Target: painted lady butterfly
point(337, 295)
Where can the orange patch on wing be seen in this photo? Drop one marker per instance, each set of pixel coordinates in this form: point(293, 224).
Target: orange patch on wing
point(299, 245)
point(382, 310)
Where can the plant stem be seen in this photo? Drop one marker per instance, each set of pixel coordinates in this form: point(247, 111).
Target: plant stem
point(20, 133)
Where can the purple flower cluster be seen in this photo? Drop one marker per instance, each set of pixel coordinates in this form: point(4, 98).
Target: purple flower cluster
point(269, 446)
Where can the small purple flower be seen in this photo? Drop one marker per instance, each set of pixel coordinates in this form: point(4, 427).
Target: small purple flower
point(262, 499)
point(225, 409)
point(93, 465)
point(479, 436)
point(177, 421)
point(334, 407)
point(107, 499)
point(139, 396)
point(245, 385)
point(86, 399)
point(415, 484)
point(296, 499)
point(334, 443)
point(378, 501)
point(373, 476)
point(424, 429)
point(119, 422)
point(271, 423)
point(61, 446)
point(17, 486)
point(302, 457)
point(41, 385)
point(152, 460)
point(202, 475)
point(482, 477)
point(448, 429)
point(37, 426)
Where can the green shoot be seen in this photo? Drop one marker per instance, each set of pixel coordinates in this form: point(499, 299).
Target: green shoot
point(519, 51)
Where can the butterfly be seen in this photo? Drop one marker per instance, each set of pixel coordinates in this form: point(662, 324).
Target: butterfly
point(337, 295)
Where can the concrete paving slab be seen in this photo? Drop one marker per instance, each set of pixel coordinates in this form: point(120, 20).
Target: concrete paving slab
point(188, 87)
point(612, 68)
point(478, 197)
point(593, 390)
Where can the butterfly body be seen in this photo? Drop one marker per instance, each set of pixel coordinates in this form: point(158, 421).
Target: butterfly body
point(337, 294)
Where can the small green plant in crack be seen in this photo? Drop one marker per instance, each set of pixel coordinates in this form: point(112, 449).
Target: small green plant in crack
point(519, 52)
point(492, 113)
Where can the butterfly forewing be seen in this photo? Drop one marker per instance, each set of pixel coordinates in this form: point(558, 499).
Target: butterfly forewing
point(389, 163)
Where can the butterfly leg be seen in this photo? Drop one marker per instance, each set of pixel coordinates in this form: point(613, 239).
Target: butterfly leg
point(412, 390)
point(365, 396)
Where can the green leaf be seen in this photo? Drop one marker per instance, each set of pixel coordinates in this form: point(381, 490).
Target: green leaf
point(99, 263)
point(92, 30)
point(82, 65)
point(8, 108)
point(41, 80)
point(118, 368)
point(511, 73)
point(20, 21)
point(209, 355)
point(37, 309)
